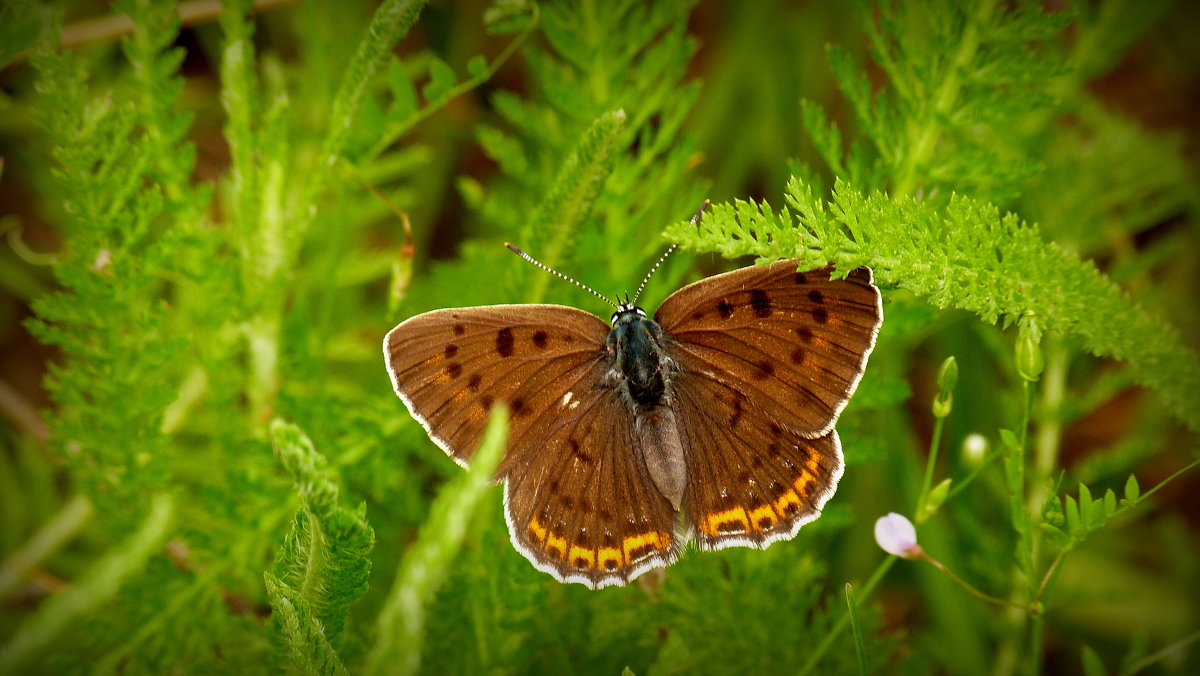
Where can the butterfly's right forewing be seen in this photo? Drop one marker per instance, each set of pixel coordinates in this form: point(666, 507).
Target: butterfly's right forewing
point(451, 366)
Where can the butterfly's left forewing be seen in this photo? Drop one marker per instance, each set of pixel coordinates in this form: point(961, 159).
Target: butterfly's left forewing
point(794, 342)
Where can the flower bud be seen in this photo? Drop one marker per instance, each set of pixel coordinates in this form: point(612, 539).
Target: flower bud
point(942, 404)
point(947, 376)
point(974, 449)
point(935, 499)
point(1029, 352)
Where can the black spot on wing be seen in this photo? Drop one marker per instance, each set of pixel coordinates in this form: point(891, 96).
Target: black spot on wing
point(504, 342)
point(760, 301)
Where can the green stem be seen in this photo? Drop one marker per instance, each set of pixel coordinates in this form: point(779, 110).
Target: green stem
point(62, 527)
point(1049, 428)
point(924, 135)
point(844, 620)
point(973, 591)
point(1170, 651)
point(859, 648)
point(934, 445)
point(1047, 444)
point(1041, 591)
point(1007, 654)
point(395, 130)
point(1164, 482)
point(959, 486)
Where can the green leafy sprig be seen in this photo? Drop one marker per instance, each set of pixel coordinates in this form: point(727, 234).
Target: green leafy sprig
point(964, 255)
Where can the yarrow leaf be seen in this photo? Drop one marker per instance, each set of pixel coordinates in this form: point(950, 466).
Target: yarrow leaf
point(965, 255)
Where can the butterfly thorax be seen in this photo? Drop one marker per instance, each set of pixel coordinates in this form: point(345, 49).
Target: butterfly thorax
point(639, 367)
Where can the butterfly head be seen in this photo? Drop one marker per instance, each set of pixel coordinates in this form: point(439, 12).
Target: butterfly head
point(626, 313)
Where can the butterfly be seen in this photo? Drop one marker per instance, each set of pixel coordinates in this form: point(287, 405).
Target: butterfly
point(712, 422)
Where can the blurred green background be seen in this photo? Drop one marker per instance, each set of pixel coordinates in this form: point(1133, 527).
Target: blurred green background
point(205, 232)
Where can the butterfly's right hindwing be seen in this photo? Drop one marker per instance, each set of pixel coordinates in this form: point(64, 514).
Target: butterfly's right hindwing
point(586, 510)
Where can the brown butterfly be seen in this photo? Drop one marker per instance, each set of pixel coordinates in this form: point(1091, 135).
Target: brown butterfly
point(713, 421)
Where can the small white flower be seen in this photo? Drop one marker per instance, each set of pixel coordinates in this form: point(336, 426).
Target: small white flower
point(896, 535)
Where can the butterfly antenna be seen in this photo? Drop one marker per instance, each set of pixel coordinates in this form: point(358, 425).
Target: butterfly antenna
point(558, 274)
point(668, 252)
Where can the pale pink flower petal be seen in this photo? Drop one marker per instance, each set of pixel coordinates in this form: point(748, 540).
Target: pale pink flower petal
point(897, 536)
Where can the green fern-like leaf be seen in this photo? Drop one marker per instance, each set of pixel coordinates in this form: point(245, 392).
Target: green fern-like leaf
point(579, 79)
point(302, 632)
point(966, 256)
point(323, 565)
point(124, 172)
point(959, 75)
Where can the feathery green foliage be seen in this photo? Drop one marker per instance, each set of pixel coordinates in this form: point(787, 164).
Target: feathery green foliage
point(963, 255)
point(323, 565)
point(98, 584)
point(209, 224)
point(130, 214)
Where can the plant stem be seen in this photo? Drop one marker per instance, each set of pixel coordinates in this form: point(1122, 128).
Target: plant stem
point(859, 648)
point(63, 526)
point(963, 583)
point(844, 620)
point(1169, 479)
point(1006, 658)
point(1049, 575)
point(934, 444)
point(1163, 654)
point(1048, 436)
point(961, 485)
